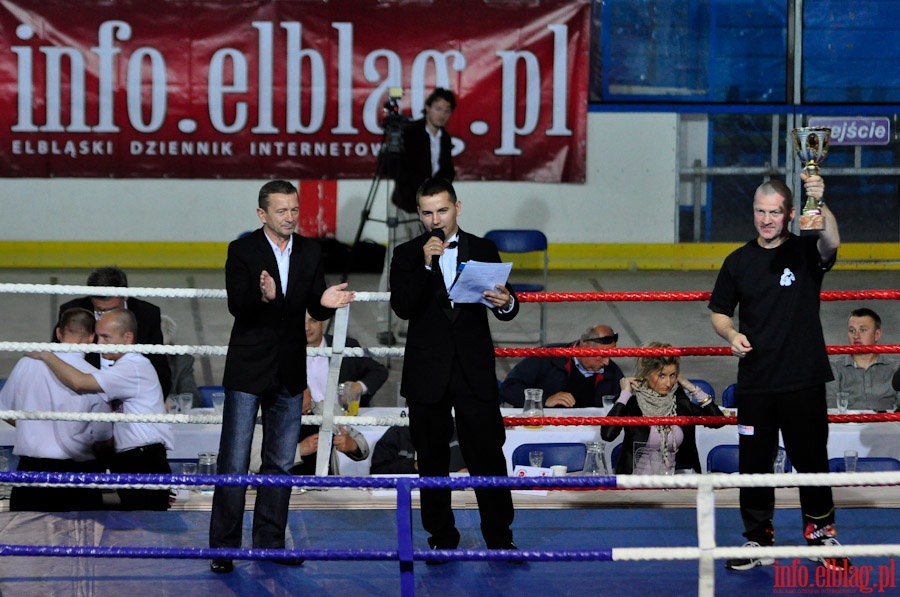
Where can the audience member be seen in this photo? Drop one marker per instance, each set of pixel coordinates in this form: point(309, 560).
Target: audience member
point(363, 374)
point(866, 377)
point(180, 365)
point(449, 365)
point(272, 277)
point(774, 282)
point(134, 387)
point(56, 446)
point(568, 381)
point(658, 390)
point(147, 315)
point(394, 454)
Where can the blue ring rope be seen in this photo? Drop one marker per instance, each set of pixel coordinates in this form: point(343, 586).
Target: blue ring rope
point(28, 478)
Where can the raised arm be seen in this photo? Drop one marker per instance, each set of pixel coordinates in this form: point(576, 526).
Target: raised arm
point(69, 375)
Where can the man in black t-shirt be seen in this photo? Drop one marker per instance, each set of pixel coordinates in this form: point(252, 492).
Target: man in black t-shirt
point(776, 280)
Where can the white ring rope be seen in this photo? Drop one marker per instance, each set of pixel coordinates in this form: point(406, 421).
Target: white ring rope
point(203, 350)
point(204, 293)
point(27, 415)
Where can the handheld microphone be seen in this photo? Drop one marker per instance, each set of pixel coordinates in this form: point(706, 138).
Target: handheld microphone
point(436, 259)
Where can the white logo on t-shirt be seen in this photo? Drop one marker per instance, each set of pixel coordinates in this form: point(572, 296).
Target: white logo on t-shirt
point(787, 278)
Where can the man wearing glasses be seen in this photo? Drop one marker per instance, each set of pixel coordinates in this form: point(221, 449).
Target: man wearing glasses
point(149, 329)
point(568, 382)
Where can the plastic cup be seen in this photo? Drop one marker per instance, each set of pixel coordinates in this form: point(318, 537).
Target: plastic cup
point(850, 459)
point(843, 402)
point(536, 458)
point(218, 400)
point(559, 470)
point(534, 405)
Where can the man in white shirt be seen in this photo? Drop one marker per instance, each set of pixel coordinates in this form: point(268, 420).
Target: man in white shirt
point(132, 385)
point(56, 446)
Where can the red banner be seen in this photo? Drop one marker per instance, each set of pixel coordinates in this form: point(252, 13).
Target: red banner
point(292, 89)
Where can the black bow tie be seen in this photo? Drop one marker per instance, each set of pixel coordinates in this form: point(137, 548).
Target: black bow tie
point(452, 245)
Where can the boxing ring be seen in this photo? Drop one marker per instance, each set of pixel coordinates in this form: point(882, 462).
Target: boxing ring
point(703, 549)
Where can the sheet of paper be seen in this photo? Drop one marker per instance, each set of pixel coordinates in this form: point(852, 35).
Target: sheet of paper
point(475, 278)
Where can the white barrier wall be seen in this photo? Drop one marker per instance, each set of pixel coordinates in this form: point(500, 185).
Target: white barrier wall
point(629, 196)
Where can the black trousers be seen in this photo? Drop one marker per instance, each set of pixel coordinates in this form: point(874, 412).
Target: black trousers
point(802, 418)
point(481, 435)
point(145, 459)
point(63, 499)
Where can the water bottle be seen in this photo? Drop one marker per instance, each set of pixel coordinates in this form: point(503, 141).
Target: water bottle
point(595, 460)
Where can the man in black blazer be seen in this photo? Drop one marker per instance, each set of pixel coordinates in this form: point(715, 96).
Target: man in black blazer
point(449, 363)
point(417, 161)
point(147, 314)
point(272, 276)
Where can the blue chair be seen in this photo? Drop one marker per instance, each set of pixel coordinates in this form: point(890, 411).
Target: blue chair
point(525, 241)
point(869, 464)
point(728, 399)
point(705, 386)
point(614, 456)
point(724, 459)
point(570, 454)
point(206, 393)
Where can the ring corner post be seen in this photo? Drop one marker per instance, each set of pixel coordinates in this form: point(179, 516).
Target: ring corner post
point(405, 537)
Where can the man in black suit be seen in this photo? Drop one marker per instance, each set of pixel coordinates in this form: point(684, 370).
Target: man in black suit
point(449, 364)
point(149, 330)
point(426, 150)
point(272, 276)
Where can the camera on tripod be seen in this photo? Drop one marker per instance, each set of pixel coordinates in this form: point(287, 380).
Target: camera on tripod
point(393, 122)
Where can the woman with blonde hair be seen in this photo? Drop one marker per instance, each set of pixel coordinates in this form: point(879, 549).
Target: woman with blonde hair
point(658, 390)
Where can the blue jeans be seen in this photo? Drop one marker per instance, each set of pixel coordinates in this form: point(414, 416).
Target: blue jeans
point(281, 413)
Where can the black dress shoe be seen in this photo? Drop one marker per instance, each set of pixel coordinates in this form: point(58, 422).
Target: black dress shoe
point(437, 562)
point(221, 566)
point(289, 562)
point(510, 546)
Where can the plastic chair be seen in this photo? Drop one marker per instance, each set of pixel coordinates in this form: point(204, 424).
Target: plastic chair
point(206, 393)
point(869, 464)
point(705, 386)
point(724, 459)
point(525, 241)
point(728, 399)
point(570, 454)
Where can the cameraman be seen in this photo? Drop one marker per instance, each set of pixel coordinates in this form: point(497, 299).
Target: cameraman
point(426, 152)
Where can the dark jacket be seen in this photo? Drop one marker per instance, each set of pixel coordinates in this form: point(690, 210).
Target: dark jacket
point(552, 376)
point(395, 454)
point(438, 333)
point(268, 340)
point(365, 369)
point(686, 457)
point(148, 332)
point(414, 165)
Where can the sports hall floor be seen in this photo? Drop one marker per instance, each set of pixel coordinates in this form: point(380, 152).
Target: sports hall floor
point(30, 317)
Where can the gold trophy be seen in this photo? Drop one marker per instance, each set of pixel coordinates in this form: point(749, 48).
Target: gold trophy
point(811, 145)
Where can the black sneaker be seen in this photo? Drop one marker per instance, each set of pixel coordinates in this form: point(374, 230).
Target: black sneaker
point(749, 562)
point(825, 535)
